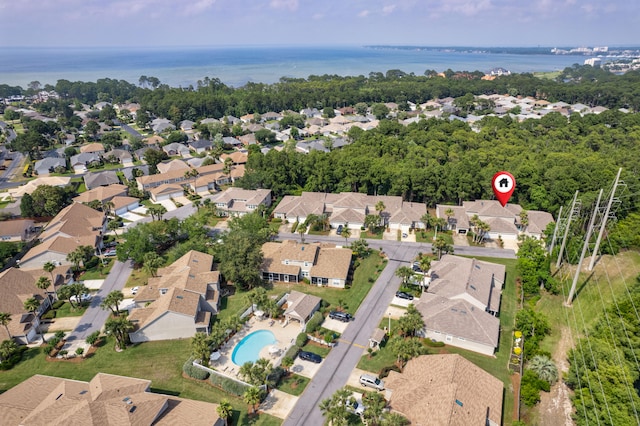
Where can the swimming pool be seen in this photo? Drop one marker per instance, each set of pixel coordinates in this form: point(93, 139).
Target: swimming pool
point(248, 349)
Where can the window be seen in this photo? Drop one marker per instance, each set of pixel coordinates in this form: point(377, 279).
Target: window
point(306, 263)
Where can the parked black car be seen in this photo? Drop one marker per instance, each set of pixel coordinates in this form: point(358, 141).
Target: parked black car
point(340, 316)
point(403, 295)
point(339, 230)
point(310, 356)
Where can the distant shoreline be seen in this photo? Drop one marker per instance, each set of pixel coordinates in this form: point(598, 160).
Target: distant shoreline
point(235, 67)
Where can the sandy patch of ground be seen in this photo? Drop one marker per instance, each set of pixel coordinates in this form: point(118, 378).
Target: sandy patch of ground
point(555, 407)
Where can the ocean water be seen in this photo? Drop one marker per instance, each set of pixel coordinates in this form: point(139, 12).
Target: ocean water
point(237, 66)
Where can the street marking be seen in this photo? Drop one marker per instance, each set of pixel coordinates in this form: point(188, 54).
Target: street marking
point(351, 343)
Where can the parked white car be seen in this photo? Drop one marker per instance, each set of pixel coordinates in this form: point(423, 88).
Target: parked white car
point(83, 298)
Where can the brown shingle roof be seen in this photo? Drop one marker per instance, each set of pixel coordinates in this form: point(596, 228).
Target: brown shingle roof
point(445, 390)
point(453, 276)
point(459, 318)
point(101, 193)
point(105, 400)
point(332, 263)
point(301, 305)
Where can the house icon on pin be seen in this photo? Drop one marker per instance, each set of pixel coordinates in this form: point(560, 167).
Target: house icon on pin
point(503, 183)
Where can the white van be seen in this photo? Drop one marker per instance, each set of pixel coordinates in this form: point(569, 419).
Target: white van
point(371, 381)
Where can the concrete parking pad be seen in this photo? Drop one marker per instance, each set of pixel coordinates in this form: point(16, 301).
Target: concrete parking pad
point(278, 404)
point(93, 284)
point(335, 325)
point(403, 302)
point(305, 368)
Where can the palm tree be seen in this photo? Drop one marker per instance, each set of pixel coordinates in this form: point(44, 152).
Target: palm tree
point(424, 262)
point(228, 163)
point(544, 367)
point(286, 363)
point(49, 267)
point(427, 219)
point(346, 233)
point(151, 262)
point(75, 257)
point(200, 347)
point(224, 410)
point(113, 225)
point(252, 397)
point(374, 403)
point(107, 206)
point(449, 213)
point(380, 208)
point(156, 211)
point(302, 229)
point(192, 173)
point(405, 348)
point(31, 305)
point(411, 321)
point(7, 348)
point(112, 301)
point(335, 408)
point(5, 319)
point(119, 327)
point(43, 283)
point(441, 246)
point(394, 419)
point(404, 272)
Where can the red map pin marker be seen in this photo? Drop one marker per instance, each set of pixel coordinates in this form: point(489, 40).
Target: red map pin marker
point(503, 184)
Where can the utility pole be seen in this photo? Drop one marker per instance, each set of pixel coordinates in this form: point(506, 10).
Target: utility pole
point(603, 223)
point(555, 231)
point(585, 246)
point(566, 230)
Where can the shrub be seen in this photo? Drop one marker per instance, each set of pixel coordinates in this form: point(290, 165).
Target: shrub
point(292, 352)
point(530, 388)
point(301, 340)
point(314, 322)
point(274, 378)
point(79, 351)
point(194, 372)
point(384, 372)
point(7, 364)
point(50, 314)
point(92, 263)
point(93, 337)
point(48, 348)
point(294, 227)
point(59, 334)
point(57, 304)
point(228, 385)
point(433, 343)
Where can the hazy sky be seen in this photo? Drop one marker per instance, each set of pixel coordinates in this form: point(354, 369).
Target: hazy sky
point(319, 22)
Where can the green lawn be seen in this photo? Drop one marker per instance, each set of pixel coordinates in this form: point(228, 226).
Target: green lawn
point(317, 349)
point(293, 384)
point(67, 310)
point(98, 273)
point(376, 235)
point(349, 298)
point(161, 362)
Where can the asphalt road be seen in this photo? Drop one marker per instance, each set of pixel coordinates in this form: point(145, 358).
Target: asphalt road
point(95, 317)
point(344, 357)
point(10, 171)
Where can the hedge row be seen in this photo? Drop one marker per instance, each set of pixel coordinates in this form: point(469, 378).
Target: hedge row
point(228, 385)
point(194, 372)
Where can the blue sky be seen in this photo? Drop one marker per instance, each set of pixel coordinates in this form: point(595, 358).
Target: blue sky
point(319, 22)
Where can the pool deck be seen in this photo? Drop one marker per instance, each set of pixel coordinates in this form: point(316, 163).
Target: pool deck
point(285, 338)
